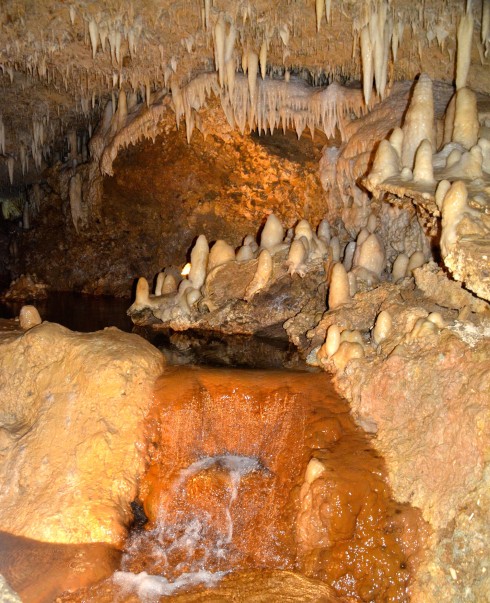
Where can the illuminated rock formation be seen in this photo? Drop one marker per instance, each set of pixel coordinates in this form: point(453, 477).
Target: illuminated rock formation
point(70, 446)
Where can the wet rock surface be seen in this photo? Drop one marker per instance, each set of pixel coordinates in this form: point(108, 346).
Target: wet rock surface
point(71, 419)
point(257, 587)
point(39, 571)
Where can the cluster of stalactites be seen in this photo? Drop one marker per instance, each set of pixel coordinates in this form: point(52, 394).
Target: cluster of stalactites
point(253, 103)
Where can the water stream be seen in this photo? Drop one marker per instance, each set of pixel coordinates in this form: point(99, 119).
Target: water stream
point(225, 501)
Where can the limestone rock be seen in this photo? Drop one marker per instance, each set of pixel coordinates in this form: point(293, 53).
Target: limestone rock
point(71, 442)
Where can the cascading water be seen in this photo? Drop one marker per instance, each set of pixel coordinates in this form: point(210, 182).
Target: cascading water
point(259, 487)
point(187, 540)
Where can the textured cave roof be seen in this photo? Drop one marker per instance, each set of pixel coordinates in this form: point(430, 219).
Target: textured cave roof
point(51, 74)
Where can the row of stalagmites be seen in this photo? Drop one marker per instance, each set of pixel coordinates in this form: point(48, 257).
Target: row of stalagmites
point(409, 153)
point(359, 264)
point(341, 346)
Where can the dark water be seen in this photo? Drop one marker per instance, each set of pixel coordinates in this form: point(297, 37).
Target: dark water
point(78, 312)
point(88, 313)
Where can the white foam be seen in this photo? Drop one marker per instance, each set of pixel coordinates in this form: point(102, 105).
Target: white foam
point(149, 588)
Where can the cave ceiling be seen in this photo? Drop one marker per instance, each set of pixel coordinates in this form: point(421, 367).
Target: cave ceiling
point(61, 62)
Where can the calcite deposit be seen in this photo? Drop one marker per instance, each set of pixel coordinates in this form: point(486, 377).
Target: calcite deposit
point(72, 446)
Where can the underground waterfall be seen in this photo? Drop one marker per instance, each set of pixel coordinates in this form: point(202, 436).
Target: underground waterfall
point(255, 481)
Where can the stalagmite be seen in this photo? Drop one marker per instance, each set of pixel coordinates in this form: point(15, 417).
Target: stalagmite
point(262, 275)
point(423, 171)
point(220, 253)
point(244, 254)
point(453, 158)
point(399, 269)
point(339, 290)
point(297, 257)
point(349, 255)
point(315, 467)
point(199, 262)
point(159, 283)
point(272, 233)
point(386, 164)
point(382, 327)
point(417, 259)
point(419, 120)
point(142, 292)
point(303, 229)
point(469, 165)
point(169, 285)
point(466, 124)
point(453, 208)
point(441, 190)
point(352, 336)
point(372, 223)
point(347, 351)
point(372, 255)
point(29, 317)
point(323, 231)
point(396, 140)
point(332, 342)
point(463, 56)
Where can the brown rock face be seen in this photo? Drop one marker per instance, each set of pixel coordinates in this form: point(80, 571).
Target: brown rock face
point(71, 445)
point(41, 571)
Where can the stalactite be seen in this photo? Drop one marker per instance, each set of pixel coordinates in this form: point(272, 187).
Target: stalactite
point(319, 6)
point(2, 136)
point(10, 168)
point(463, 56)
point(367, 64)
point(94, 36)
point(328, 10)
point(219, 41)
point(75, 194)
point(263, 59)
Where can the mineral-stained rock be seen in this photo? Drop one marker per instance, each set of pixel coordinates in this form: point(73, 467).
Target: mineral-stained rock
point(431, 409)
point(254, 587)
point(71, 441)
point(40, 571)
